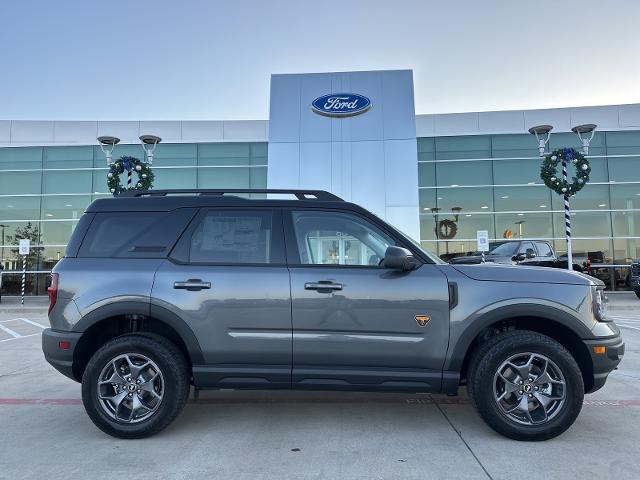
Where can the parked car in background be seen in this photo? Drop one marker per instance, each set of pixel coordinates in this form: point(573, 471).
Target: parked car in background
point(533, 253)
point(635, 276)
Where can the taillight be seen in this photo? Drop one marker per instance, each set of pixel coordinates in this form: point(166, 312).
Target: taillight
point(53, 291)
point(588, 265)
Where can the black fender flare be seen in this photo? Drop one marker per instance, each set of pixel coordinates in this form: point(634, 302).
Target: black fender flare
point(147, 309)
point(457, 355)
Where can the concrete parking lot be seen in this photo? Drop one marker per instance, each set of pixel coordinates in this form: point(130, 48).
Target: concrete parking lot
point(45, 433)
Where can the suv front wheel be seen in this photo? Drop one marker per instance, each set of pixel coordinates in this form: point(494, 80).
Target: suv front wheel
point(526, 385)
point(135, 385)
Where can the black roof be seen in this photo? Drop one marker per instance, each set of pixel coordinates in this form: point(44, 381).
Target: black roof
point(166, 200)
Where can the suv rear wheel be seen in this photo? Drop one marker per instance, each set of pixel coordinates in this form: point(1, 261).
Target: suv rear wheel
point(526, 386)
point(135, 385)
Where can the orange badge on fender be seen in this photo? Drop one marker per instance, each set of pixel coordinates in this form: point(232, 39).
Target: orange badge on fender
point(422, 319)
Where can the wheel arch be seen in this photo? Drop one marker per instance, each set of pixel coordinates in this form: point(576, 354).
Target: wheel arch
point(554, 323)
point(112, 320)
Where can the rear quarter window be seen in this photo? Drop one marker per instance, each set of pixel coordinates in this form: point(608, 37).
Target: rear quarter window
point(134, 234)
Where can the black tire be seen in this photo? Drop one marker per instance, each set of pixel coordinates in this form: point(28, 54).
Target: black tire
point(176, 384)
point(637, 290)
point(480, 381)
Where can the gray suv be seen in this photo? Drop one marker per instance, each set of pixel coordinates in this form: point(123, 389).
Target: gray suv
point(160, 290)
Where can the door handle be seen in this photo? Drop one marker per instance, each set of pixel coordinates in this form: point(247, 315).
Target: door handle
point(193, 285)
point(322, 285)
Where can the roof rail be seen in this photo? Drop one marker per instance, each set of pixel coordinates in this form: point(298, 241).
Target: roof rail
point(299, 194)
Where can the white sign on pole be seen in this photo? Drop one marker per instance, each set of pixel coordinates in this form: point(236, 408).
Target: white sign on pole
point(25, 244)
point(483, 240)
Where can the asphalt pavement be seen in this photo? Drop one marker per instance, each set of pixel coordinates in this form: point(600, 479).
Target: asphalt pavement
point(45, 433)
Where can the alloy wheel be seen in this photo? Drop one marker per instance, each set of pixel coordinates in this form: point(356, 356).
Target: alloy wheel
point(529, 388)
point(130, 388)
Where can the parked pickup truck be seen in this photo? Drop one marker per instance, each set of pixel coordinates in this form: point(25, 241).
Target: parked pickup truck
point(538, 253)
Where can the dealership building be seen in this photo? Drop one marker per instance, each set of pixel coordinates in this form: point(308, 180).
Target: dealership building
point(439, 178)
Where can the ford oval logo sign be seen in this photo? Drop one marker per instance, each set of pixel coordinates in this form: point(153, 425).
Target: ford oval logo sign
point(341, 105)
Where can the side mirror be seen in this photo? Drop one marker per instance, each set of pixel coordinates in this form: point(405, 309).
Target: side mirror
point(399, 258)
point(530, 253)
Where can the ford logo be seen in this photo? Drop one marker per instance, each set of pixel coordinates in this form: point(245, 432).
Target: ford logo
point(341, 105)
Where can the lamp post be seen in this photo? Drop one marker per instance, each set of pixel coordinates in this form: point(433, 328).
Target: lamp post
point(586, 129)
point(149, 144)
point(107, 144)
point(2, 226)
point(542, 133)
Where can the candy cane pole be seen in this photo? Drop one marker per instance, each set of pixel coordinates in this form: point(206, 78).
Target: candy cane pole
point(24, 277)
point(567, 217)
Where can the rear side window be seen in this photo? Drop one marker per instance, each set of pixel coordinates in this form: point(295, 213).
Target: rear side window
point(233, 236)
point(544, 250)
point(134, 234)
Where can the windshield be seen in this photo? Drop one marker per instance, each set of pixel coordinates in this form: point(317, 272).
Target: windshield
point(507, 249)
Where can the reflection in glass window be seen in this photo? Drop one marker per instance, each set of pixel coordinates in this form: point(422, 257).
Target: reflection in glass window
point(472, 199)
point(625, 196)
point(520, 199)
point(591, 197)
point(584, 224)
point(463, 173)
point(331, 238)
point(517, 172)
point(68, 157)
point(523, 225)
point(471, 146)
point(233, 237)
point(20, 182)
point(626, 224)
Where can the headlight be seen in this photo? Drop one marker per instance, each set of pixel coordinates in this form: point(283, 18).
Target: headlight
point(600, 305)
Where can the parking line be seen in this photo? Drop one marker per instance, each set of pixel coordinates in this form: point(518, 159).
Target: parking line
point(31, 322)
point(19, 336)
point(622, 325)
point(10, 332)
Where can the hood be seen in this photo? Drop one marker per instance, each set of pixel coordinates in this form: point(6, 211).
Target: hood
point(477, 259)
point(518, 273)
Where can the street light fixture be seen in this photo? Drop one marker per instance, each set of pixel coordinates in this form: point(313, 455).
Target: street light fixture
point(586, 129)
point(542, 133)
point(107, 144)
point(149, 144)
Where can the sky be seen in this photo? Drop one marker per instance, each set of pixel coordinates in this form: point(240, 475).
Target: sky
point(197, 59)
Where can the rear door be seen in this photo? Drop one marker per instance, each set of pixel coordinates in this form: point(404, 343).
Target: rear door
point(227, 278)
point(356, 324)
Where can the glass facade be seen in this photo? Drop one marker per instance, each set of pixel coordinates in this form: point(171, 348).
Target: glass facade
point(478, 182)
point(44, 190)
point(492, 182)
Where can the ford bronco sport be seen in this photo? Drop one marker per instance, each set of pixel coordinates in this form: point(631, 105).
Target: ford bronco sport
point(160, 290)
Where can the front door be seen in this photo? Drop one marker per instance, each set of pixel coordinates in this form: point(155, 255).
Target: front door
point(356, 324)
point(227, 279)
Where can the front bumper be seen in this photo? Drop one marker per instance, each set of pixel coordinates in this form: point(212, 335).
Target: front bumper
point(603, 364)
point(61, 360)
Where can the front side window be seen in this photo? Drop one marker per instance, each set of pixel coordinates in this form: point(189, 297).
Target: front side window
point(228, 236)
point(526, 246)
point(334, 238)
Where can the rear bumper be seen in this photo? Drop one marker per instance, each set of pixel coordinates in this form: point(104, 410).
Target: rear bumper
point(603, 364)
point(61, 360)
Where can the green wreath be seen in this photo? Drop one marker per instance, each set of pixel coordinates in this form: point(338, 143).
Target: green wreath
point(549, 171)
point(447, 229)
point(127, 164)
